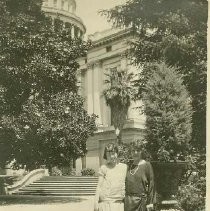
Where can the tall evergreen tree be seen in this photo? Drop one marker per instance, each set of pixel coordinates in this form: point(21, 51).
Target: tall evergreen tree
point(168, 109)
point(176, 32)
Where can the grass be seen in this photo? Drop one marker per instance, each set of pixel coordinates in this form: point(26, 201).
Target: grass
point(15, 200)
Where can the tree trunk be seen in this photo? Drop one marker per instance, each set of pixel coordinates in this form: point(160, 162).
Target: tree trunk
point(119, 116)
point(119, 138)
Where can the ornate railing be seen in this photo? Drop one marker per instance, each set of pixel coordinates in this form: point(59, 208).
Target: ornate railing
point(28, 179)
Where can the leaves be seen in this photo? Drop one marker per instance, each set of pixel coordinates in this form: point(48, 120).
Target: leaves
point(174, 32)
point(35, 58)
point(45, 131)
point(169, 114)
point(38, 68)
point(118, 94)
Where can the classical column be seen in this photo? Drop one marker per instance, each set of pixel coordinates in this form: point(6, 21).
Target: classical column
point(90, 89)
point(97, 92)
point(79, 33)
point(72, 31)
point(83, 159)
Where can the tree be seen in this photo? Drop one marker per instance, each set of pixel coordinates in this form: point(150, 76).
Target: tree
point(38, 80)
point(35, 58)
point(50, 134)
point(174, 32)
point(118, 95)
point(168, 110)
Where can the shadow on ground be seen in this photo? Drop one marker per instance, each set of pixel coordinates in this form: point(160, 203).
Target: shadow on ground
point(14, 200)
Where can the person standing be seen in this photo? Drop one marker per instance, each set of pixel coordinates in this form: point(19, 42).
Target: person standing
point(139, 185)
point(110, 191)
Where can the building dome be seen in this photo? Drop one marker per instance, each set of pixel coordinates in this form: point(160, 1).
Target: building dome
point(65, 10)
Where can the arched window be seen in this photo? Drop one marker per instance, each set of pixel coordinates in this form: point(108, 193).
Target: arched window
point(70, 7)
point(76, 31)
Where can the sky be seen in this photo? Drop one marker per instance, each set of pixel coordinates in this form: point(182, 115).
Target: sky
point(87, 10)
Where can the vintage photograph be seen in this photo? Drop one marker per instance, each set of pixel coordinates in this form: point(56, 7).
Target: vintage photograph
point(103, 105)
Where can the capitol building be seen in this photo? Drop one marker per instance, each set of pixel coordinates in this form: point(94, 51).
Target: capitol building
point(108, 52)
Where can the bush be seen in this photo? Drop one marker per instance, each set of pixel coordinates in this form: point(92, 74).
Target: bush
point(87, 172)
point(192, 192)
point(168, 111)
point(67, 171)
point(56, 171)
point(191, 195)
point(126, 148)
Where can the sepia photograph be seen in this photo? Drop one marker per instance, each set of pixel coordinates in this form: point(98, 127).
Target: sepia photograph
point(103, 105)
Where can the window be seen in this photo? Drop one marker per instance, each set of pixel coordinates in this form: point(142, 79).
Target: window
point(46, 2)
point(109, 48)
point(55, 3)
point(69, 6)
point(114, 79)
point(68, 28)
point(76, 32)
point(113, 76)
point(58, 25)
point(62, 5)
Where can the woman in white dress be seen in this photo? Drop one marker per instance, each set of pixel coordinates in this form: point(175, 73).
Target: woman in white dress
point(111, 186)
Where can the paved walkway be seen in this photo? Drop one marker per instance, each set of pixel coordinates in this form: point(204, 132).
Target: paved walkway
point(62, 204)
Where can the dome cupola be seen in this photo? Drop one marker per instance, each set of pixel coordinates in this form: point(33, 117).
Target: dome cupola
point(65, 11)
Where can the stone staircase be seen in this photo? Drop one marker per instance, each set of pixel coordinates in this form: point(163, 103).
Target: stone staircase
point(61, 186)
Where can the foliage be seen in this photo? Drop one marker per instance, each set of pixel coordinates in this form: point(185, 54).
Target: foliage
point(168, 111)
point(35, 59)
point(87, 172)
point(50, 133)
point(176, 32)
point(56, 171)
point(192, 193)
point(118, 95)
point(125, 151)
point(42, 119)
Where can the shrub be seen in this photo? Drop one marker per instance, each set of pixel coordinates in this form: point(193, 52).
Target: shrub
point(168, 112)
point(87, 172)
point(192, 192)
point(56, 171)
point(191, 195)
point(67, 171)
point(126, 148)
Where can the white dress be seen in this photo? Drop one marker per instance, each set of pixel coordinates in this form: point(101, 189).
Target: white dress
point(112, 190)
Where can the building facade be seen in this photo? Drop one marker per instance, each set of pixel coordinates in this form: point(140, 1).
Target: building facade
point(109, 51)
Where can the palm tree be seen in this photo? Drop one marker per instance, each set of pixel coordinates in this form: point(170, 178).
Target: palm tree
point(118, 94)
